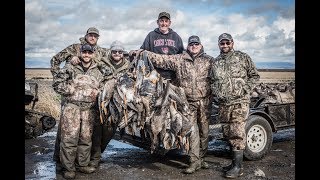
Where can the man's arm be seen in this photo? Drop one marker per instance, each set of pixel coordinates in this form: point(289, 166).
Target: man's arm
point(146, 43)
point(180, 45)
point(167, 62)
point(65, 55)
point(252, 73)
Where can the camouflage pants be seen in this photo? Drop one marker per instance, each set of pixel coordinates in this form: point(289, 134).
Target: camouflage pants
point(235, 117)
point(194, 151)
point(201, 114)
point(76, 131)
point(56, 156)
point(102, 134)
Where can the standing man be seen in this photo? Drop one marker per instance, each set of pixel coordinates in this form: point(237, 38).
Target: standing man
point(71, 54)
point(192, 71)
point(163, 40)
point(110, 66)
point(233, 78)
point(79, 85)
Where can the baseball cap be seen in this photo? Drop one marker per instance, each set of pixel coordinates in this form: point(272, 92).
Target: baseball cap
point(93, 30)
point(194, 39)
point(86, 47)
point(164, 14)
point(225, 36)
point(117, 45)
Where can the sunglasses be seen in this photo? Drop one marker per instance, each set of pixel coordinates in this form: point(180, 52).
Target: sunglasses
point(227, 43)
point(115, 52)
point(191, 44)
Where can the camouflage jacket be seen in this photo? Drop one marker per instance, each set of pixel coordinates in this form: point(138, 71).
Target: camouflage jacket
point(74, 50)
point(111, 70)
point(233, 77)
point(76, 85)
point(192, 73)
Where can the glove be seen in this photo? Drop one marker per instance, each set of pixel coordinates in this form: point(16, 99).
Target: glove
point(135, 52)
point(139, 51)
point(132, 52)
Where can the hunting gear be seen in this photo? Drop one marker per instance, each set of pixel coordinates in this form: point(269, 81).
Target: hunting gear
point(110, 66)
point(79, 86)
point(233, 76)
point(192, 72)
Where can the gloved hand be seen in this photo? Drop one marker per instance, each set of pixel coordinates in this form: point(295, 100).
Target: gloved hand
point(139, 51)
point(135, 52)
point(132, 52)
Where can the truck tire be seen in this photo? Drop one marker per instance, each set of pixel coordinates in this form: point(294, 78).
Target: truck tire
point(259, 138)
point(47, 122)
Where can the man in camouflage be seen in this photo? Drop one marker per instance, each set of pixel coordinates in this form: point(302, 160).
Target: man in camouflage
point(192, 71)
point(71, 54)
point(111, 66)
point(233, 77)
point(79, 85)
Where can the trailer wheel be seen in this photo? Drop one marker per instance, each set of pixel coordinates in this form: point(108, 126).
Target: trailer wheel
point(259, 138)
point(48, 122)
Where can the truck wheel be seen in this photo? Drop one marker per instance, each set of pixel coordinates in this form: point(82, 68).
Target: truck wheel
point(259, 138)
point(48, 122)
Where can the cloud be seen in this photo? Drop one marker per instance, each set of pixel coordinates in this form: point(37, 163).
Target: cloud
point(263, 29)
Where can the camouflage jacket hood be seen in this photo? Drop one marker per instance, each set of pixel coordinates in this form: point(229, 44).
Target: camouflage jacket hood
point(233, 77)
point(192, 72)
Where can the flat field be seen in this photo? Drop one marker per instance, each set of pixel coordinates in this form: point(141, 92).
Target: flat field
point(266, 75)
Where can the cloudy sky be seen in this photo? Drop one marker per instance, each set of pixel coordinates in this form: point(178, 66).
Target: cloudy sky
point(263, 29)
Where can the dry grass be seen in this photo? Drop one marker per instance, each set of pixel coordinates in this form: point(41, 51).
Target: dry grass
point(37, 74)
point(276, 77)
point(49, 101)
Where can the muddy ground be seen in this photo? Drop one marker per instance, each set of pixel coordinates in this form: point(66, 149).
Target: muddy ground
point(123, 161)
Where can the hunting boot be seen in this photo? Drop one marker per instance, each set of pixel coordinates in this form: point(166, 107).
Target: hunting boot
point(87, 169)
point(69, 174)
point(236, 169)
point(193, 167)
point(204, 164)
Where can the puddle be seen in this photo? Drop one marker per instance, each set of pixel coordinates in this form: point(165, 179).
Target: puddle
point(43, 170)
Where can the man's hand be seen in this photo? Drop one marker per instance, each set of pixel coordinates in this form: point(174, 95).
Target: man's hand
point(132, 52)
point(139, 51)
point(75, 60)
point(135, 52)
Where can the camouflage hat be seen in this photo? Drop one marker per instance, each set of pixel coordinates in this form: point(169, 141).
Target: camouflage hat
point(194, 39)
point(225, 36)
point(164, 14)
point(86, 47)
point(116, 45)
point(93, 30)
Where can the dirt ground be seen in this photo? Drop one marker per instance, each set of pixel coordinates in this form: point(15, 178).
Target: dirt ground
point(123, 161)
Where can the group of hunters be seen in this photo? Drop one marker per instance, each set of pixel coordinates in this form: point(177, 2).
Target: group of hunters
point(227, 80)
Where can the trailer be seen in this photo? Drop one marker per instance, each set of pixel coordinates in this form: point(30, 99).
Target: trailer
point(36, 123)
point(146, 110)
point(264, 119)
